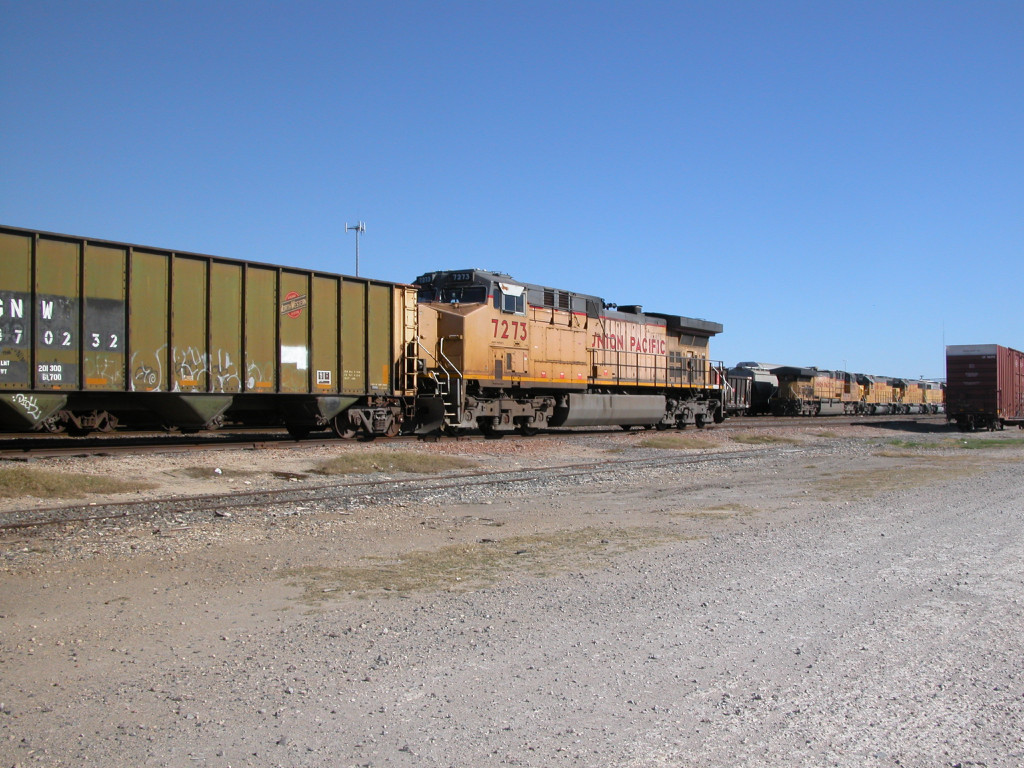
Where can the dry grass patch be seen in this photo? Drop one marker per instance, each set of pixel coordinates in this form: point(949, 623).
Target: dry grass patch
point(462, 567)
point(763, 440)
point(201, 473)
point(28, 481)
point(679, 443)
point(910, 448)
point(390, 461)
point(716, 512)
point(871, 482)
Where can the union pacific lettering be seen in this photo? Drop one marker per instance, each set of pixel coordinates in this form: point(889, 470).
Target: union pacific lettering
point(609, 341)
point(630, 341)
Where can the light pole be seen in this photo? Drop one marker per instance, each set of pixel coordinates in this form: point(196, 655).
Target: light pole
point(358, 229)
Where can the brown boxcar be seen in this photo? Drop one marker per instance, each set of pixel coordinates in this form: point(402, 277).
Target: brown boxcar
point(95, 333)
point(984, 386)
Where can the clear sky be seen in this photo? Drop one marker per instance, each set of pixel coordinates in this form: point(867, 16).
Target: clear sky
point(839, 184)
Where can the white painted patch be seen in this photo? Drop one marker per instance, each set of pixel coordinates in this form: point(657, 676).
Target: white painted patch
point(297, 356)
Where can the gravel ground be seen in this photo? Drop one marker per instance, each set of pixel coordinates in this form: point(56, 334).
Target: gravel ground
point(837, 600)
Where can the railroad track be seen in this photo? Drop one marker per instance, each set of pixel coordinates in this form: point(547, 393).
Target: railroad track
point(28, 447)
point(343, 494)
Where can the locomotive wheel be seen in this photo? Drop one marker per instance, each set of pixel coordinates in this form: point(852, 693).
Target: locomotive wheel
point(625, 427)
point(661, 426)
point(487, 428)
point(527, 430)
point(700, 420)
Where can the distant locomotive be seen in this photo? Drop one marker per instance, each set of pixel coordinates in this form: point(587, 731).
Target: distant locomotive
point(794, 391)
point(505, 355)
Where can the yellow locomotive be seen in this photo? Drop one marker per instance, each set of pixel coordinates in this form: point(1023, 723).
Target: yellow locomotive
point(813, 392)
point(503, 355)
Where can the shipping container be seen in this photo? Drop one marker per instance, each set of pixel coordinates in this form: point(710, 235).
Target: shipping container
point(96, 333)
point(984, 386)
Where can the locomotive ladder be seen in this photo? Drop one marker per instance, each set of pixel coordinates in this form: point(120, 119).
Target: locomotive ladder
point(447, 387)
point(450, 388)
point(410, 315)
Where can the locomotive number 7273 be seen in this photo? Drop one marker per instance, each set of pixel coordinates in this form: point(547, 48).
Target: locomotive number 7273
point(514, 330)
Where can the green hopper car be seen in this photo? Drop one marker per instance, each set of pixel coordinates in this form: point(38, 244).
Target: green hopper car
point(96, 334)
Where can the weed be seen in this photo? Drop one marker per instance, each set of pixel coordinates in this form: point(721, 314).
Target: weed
point(678, 442)
point(28, 481)
point(978, 443)
point(871, 482)
point(462, 567)
point(762, 439)
point(390, 461)
point(200, 473)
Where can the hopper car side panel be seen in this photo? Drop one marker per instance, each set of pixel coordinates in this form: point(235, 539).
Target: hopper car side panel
point(93, 333)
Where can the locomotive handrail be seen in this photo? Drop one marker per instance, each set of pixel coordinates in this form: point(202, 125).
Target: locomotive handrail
point(440, 351)
point(437, 363)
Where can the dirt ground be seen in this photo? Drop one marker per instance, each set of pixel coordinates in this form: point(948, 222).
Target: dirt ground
point(844, 595)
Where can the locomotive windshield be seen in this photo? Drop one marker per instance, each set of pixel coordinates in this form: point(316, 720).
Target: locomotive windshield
point(454, 294)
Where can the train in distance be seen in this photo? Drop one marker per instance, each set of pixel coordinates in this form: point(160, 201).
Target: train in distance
point(783, 390)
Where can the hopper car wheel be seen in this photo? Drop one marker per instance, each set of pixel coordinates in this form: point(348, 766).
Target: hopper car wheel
point(54, 426)
point(625, 427)
point(299, 431)
point(343, 428)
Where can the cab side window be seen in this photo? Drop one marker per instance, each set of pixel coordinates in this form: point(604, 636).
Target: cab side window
point(510, 303)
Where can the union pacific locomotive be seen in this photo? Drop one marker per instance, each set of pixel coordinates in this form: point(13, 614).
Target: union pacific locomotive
point(794, 391)
point(505, 355)
point(95, 334)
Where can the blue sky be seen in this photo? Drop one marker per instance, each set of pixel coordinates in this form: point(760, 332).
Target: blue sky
point(839, 184)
